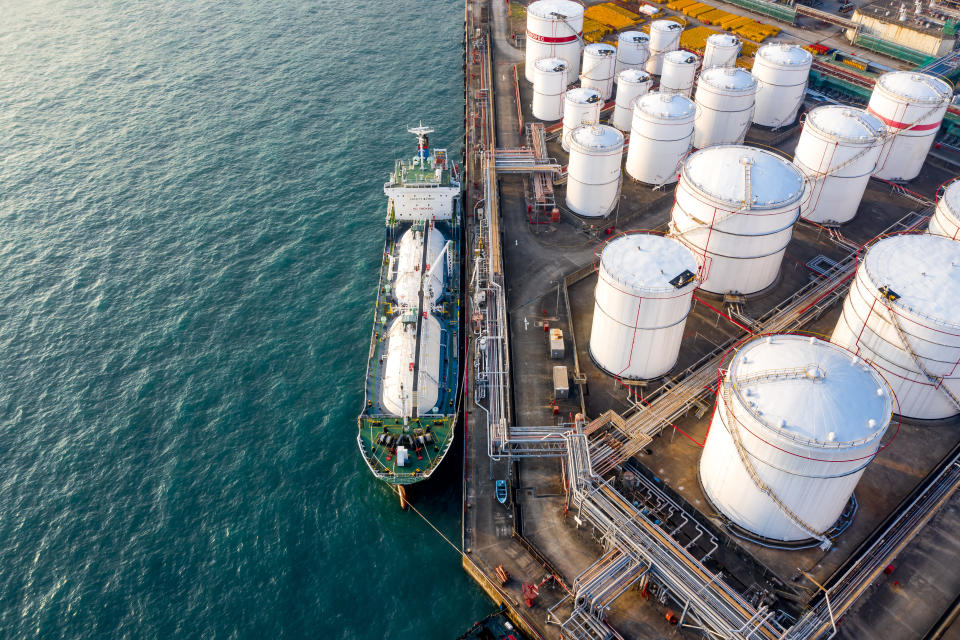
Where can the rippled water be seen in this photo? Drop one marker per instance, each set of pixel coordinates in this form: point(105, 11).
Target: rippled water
point(190, 227)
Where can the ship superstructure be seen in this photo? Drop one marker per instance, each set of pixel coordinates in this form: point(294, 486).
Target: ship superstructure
point(413, 368)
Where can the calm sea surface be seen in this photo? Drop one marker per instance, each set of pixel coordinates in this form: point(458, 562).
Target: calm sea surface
point(190, 226)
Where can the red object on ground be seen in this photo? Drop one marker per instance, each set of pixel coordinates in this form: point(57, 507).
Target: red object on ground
point(889, 569)
point(530, 593)
point(671, 617)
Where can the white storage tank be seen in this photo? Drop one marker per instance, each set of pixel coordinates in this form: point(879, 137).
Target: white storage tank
point(633, 51)
point(550, 82)
point(660, 135)
point(797, 421)
point(912, 106)
point(644, 286)
point(903, 314)
point(580, 106)
point(597, 69)
point(631, 84)
point(554, 29)
point(679, 72)
point(837, 152)
point(593, 172)
point(735, 208)
point(664, 37)
point(398, 395)
point(721, 50)
point(781, 71)
point(407, 277)
point(725, 102)
point(946, 217)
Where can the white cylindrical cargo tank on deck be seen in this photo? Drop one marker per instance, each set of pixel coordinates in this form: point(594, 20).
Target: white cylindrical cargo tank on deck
point(554, 29)
point(664, 37)
point(644, 286)
point(946, 217)
point(903, 314)
point(725, 101)
point(781, 71)
point(550, 82)
point(912, 106)
point(398, 394)
point(408, 277)
point(593, 172)
point(633, 51)
point(721, 50)
point(580, 106)
point(631, 84)
point(837, 152)
point(735, 208)
point(797, 420)
point(660, 135)
point(597, 70)
point(679, 72)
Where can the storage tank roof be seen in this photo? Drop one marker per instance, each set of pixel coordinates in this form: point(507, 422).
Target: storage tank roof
point(787, 55)
point(847, 123)
point(551, 64)
point(599, 49)
point(917, 87)
point(668, 106)
point(634, 36)
point(731, 78)
point(723, 40)
point(681, 57)
point(666, 25)
point(924, 270)
point(647, 261)
point(951, 198)
point(581, 95)
point(633, 76)
point(812, 390)
point(597, 136)
point(544, 8)
point(721, 173)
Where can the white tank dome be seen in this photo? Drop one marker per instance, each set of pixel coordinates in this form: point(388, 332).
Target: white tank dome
point(721, 50)
point(664, 37)
point(580, 106)
point(781, 71)
point(644, 287)
point(720, 174)
point(917, 278)
point(593, 171)
point(807, 416)
point(554, 29)
point(725, 102)
point(633, 51)
point(398, 377)
point(679, 71)
point(550, 79)
point(837, 152)
point(631, 84)
point(596, 72)
point(409, 279)
point(946, 218)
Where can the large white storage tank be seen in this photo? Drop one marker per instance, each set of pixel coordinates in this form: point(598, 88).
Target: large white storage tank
point(664, 37)
point(735, 208)
point(593, 172)
point(946, 217)
point(644, 286)
point(837, 152)
point(550, 82)
point(631, 84)
point(633, 51)
point(912, 106)
point(781, 71)
point(398, 376)
point(903, 314)
point(679, 72)
point(721, 50)
point(725, 102)
point(797, 421)
point(580, 106)
point(408, 279)
point(660, 137)
point(554, 29)
point(596, 72)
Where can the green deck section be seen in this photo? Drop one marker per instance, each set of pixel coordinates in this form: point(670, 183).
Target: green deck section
point(428, 437)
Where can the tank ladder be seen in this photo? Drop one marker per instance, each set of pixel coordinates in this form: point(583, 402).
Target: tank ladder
point(935, 381)
point(734, 429)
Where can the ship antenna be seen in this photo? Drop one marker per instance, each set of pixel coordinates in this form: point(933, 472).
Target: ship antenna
point(423, 142)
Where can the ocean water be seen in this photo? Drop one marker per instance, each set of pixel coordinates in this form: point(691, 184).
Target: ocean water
point(190, 228)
